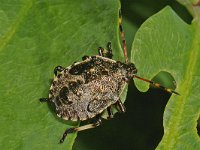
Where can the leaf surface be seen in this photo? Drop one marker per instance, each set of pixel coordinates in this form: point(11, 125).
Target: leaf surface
point(35, 37)
point(166, 43)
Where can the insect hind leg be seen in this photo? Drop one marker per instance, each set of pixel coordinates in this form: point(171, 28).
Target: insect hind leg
point(96, 123)
point(110, 113)
point(121, 106)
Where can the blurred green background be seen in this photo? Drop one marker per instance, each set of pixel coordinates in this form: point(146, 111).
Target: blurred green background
point(140, 128)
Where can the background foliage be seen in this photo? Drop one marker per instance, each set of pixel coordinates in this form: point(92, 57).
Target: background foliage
point(35, 36)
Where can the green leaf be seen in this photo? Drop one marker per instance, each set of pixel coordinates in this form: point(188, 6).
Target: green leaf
point(166, 43)
point(35, 37)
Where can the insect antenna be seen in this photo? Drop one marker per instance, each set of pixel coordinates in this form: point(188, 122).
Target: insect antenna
point(126, 59)
point(122, 37)
point(157, 85)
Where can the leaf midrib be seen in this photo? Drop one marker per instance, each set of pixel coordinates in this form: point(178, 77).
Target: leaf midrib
point(193, 60)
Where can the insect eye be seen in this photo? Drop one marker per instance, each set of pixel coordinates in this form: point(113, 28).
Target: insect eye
point(131, 66)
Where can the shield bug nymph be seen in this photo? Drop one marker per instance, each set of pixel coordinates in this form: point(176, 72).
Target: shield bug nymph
point(86, 89)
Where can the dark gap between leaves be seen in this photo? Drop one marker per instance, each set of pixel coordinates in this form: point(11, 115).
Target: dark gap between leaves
point(137, 11)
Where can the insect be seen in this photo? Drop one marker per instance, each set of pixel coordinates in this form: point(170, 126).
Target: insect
point(86, 89)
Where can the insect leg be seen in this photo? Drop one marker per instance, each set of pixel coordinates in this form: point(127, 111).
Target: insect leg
point(81, 128)
point(121, 106)
point(110, 113)
point(157, 85)
point(106, 53)
point(101, 51)
point(122, 37)
point(44, 99)
point(109, 52)
point(58, 69)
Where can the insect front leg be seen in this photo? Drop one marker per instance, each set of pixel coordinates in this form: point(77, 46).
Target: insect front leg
point(109, 53)
point(101, 51)
point(96, 123)
point(106, 53)
point(58, 69)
